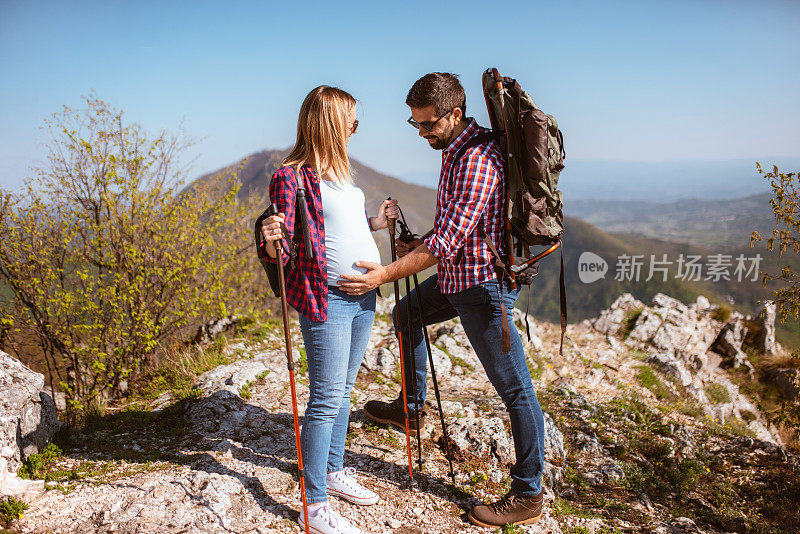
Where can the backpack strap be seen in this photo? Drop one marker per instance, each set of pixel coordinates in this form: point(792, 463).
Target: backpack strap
point(301, 208)
point(501, 269)
point(563, 301)
point(475, 140)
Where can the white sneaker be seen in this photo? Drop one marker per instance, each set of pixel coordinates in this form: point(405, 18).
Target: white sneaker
point(326, 521)
point(344, 484)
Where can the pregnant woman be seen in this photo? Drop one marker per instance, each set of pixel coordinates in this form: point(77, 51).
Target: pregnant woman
point(335, 326)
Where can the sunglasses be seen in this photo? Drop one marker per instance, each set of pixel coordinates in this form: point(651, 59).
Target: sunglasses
point(354, 127)
point(427, 125)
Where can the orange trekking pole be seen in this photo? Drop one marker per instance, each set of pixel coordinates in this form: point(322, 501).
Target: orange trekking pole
point(391, 226)
point(290, 366)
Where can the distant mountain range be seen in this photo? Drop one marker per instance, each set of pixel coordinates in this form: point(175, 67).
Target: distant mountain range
point(657, 181)
point(700, 228)
point(717, 224)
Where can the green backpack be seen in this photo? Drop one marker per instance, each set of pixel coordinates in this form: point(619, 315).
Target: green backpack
point(534, 156)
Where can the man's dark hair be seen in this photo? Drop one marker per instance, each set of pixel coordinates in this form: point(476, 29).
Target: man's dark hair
point(441, 90)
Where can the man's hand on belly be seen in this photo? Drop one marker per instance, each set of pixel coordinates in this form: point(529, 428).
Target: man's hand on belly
point(415, 261)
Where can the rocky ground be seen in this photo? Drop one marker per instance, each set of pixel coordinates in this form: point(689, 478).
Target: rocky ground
point(646, 432)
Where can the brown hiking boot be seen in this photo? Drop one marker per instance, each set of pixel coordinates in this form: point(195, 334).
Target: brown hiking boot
point(513, 509)
point(391, 413)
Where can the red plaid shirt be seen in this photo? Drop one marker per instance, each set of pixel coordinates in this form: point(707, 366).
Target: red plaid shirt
point(307, 283)
point(469, 197)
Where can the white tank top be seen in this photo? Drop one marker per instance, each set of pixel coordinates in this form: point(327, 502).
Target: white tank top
point(348, 239)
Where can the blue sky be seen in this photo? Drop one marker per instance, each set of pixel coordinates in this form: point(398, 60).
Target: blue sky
point(628, 81)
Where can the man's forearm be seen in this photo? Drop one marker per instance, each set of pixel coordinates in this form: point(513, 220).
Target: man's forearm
point(415, 261)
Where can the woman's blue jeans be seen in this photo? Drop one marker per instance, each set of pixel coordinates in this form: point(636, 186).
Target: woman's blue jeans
point(334, 350)
point(482, 318)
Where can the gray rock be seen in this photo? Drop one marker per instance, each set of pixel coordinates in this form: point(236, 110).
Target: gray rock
point(27, 413)
point(696, 362)
point(381, 360)
point(765, 341)
point(460, 354)
point(670, 366)
point(610, 320)
point(211, 330)
point(611, 471)
point(646, 326)
point(441, 361)
point(729, 344)
point(553, 439)
point(482, 437)
point(552, 474)
point(587, 443)
point(220, 412)
point(230, 377)
point(13, 486)
point(246, 372)
point(665, 302)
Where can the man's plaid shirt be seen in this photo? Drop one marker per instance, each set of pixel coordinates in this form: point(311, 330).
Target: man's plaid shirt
point(470, 196)
point(307, 283)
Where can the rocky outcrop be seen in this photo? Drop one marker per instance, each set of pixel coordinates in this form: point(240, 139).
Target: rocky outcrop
point(27, 422)
point(27, 412)
point(765, 320)
point(678, 338)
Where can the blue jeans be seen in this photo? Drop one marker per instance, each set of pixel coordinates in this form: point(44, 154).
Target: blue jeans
point(334, 350)
point(481, 316)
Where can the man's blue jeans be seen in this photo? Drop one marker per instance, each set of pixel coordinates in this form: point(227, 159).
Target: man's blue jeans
point(334, 350)
point(481, 316)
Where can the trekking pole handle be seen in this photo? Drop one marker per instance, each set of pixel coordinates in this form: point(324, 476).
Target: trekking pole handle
point(391, 222)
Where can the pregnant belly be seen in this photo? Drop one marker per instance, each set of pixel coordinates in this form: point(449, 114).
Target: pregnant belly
point(343, 262)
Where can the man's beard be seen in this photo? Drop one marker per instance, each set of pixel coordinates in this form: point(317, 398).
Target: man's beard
point(436, 142)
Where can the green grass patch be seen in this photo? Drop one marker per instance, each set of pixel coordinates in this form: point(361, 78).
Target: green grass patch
point(536, 365)
point(460, 362)
point(561, 508)
point(733, 427)
point(478, 477)
point(37, 465)
point(11, 509)
point(302, 364)
point(245, 391)
point(722, 314)
point(650, 380)
point(629, 323)
point(717, 393)
point(177, 373)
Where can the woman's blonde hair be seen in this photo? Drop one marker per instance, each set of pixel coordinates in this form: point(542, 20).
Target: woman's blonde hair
point(322, 132)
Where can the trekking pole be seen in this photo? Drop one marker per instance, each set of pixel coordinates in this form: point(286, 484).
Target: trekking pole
point(435, 382)
point(391, 227)
point(414, 388)
point(406, 236)
point(290, 366)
